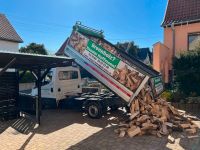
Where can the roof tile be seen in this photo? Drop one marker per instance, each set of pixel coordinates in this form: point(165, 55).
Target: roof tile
point(179, 11)
point(7, 32)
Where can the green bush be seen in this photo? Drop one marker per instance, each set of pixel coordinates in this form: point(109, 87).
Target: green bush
point(167, 95)
point(187, 72)
point(27, 78)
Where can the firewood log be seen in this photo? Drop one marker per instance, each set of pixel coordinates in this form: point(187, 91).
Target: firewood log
point(134, 132)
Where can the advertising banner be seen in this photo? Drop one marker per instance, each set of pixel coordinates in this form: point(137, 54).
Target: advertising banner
point(106, 57)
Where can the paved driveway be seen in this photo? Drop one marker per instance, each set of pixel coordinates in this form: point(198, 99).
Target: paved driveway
point(66, 129)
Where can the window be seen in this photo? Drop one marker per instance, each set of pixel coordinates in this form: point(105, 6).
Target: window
point(68, 75)
point(193, 40)
point(48, 78)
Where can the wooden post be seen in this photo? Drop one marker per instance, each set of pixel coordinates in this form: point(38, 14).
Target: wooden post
point(38, 100)
point(17, 94)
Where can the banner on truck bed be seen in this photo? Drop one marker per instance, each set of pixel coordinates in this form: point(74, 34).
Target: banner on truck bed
point(158, 85)
point(105, 57)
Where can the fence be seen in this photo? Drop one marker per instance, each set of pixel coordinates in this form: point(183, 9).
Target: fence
point(190, 108)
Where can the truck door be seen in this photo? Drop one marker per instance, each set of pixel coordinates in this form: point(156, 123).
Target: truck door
point(68, 82)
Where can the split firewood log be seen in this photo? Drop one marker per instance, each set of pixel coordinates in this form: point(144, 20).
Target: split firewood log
point(122, 133)
point(148, 125)
point(134, 115)
point(137, 105)
point(143, 118)
point(164, 130)
point(185, 125)
point(191, 131)
point(156, 110)
point(158, 134)
point(133, 132)
point(169, 124)
point(148, 98)
point(173, 110)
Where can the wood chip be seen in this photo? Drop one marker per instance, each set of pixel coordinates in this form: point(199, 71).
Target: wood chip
point(122, 133)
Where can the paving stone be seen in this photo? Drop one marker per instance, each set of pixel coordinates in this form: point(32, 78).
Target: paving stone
point(66, 129)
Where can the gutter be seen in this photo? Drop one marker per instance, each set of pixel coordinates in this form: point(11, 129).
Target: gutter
point(173, 51)
point(173, 39)
point(181, 23)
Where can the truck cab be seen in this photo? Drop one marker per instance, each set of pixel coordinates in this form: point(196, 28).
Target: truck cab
point(60, 83)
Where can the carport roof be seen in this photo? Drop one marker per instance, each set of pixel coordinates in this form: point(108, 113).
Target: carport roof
point(32, 61)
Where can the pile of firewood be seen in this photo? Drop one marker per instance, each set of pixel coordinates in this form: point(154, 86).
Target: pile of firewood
point(156, 117)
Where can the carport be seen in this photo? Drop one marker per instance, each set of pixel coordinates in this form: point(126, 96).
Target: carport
point(38, 65)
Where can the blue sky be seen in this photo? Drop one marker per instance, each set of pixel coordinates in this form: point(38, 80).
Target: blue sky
point(50, 21)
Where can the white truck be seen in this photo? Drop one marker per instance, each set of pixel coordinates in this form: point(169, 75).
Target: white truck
point(125, 76)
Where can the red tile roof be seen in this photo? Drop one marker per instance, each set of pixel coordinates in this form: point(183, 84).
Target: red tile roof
point(61, 50)
point(182, 11)
point(7, 32)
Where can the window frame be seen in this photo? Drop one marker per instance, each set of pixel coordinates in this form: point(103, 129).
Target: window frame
point(191, 34)
point(70, 75)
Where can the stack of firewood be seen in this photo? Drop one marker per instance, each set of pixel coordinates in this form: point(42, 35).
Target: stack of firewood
point(156, 117)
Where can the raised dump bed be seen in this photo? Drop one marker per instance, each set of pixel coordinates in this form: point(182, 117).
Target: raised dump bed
point(124, 75)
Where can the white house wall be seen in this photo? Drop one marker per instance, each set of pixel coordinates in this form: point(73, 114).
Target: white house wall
point(9, 46)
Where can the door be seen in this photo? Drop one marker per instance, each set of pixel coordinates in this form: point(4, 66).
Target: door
point(68, 82)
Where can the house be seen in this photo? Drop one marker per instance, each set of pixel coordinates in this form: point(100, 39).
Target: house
point(61, 50)
point(9, 39)
point(143, 54)
point(181, 27)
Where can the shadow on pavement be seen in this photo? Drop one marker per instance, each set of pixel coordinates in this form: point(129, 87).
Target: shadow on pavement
point(106, 139)
point(54, 120)
point(24, 125)
point(5, 124)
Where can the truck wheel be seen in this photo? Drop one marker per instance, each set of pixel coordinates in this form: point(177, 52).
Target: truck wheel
point(94, 110)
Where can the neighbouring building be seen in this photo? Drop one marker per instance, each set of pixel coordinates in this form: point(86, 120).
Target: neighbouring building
point(143, 54)
point(181, 26)
point(9, 39)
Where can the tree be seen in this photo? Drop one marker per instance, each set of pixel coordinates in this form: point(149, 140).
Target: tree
point(187, 72)
point(129, 47)
point(34, 49)
point(133, 49)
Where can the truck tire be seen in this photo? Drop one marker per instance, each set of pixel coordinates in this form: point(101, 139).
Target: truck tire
point(94, 110)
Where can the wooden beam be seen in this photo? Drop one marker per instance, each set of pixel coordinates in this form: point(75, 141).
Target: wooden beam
point(34, 74)
point(45, 73)
point(7, 66)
